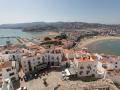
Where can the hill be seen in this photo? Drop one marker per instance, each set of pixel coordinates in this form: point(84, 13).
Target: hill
point(58, 26)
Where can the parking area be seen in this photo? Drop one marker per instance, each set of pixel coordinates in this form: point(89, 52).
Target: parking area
point(52, 79)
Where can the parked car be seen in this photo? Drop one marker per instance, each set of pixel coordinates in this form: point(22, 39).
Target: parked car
point(63, 73)
point(22, 88)
point(36, 76)
point(25, 78)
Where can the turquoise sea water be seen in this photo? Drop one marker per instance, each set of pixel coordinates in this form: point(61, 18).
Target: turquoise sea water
point(106, 47)
point(17, 32)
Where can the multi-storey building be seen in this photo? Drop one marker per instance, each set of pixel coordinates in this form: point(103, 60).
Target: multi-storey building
point(36, 58)
point(85, 64)
point(6, 85)
point(8, 75)
point(54, 56)
point(8, 70)
point(32, 63)
point(111, 62)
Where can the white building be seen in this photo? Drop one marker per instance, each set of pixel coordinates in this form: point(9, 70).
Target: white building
point(36, 58)
point(8, 75)
point(111, 62)
point(89, 68)
point(32, 63)
point(8, 70)
point(54, 56)
point(85, 64)
point(6, 85)
point(114, 76)
point(11, 57)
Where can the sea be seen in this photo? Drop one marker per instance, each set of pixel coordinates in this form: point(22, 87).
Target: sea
point(17, 33)
point(110, 47)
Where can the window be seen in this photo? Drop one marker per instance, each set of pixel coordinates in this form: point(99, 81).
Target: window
point(115, 66)
point(25, 69)
point(52, 58)
point(0, 74)
point(81, 67)
point(48, 57)
point(35, 68)
point(89, 67)
point(13, 79)
point(11, 74)
point(81, 72)
point(12, 67)
point(57, 58)
point(13, 57)
point(52, 63)
point(43, 59)
point(8, 69)
point(87, 72)
point(38, 62)
point(93, 75)
point(38, 58)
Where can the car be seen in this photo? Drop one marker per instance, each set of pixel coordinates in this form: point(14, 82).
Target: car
point(36, 76)
point(63, 73)
point(25, 78)
point(22, 88)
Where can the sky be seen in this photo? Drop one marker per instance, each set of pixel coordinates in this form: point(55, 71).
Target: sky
point(93, 11)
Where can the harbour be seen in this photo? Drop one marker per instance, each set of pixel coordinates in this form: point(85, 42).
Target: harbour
point(13, 35)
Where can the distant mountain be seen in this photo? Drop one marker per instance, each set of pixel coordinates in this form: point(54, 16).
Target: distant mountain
point(57, 26)
point(20, 25)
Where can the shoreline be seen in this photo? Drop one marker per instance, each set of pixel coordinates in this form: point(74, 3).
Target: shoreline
point(88, 41)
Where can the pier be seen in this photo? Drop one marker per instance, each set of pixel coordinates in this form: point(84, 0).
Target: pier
point(8, 37)
point(19, 39)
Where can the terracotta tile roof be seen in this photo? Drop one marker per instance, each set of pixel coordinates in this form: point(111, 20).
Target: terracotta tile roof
point(85, 59)
point(6, 64)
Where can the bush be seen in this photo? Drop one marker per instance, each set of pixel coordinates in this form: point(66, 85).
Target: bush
point(47, 38)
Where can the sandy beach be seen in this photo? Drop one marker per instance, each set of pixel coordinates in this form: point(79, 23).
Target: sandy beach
point(87, 41)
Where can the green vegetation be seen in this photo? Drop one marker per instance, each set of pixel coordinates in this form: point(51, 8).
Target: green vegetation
point(47, 39)
point(52, 43)
point(88, 79)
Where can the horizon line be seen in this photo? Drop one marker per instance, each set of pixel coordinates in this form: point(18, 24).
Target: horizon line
point(60, 21)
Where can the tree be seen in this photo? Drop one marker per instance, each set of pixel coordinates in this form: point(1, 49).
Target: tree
point(47, 38)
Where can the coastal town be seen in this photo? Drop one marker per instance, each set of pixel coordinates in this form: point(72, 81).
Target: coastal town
point(59, 61)
point(59, 44)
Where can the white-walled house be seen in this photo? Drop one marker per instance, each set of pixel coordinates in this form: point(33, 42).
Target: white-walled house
point(31, 63)
point(111, 62)
point(54, 56)
point(8, 75)
point(114, 76)
point(35, 60)
point(85, 64)
point(8, 70)
point(6, 85)
point(11, 57)
point(89, 68)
